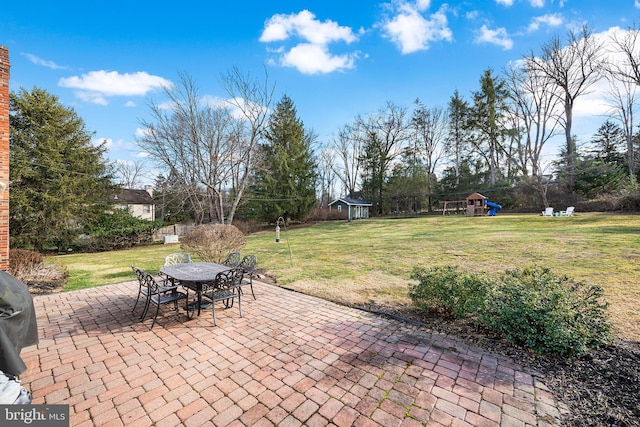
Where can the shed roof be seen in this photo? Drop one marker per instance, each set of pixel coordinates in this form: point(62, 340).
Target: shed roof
point(138, 197)
point(351, 202)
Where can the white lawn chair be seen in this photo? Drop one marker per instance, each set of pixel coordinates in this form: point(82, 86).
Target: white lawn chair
point(568, 212)
point(547, 212)
point(177, 258)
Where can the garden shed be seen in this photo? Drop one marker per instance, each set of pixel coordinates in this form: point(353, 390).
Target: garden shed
point(352, 208)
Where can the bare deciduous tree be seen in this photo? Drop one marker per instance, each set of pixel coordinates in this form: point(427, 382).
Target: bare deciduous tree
point(348, 148)
point(430, 126)
point(130, 174)
point(326, 176)
point(208, 148)
point(385, 136)
point(536, 116)
point(624, 79)
point(574, 68)
point(252, 99)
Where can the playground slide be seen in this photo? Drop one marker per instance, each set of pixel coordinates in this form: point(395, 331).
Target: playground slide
point(494, 208)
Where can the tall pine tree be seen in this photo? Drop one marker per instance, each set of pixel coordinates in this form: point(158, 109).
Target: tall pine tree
point(285, 185)
point(59, 179)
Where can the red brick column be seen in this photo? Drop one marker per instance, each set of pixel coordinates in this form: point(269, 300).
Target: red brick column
point(4, 158)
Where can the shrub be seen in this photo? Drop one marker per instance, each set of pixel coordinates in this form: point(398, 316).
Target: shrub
point(212, 242)
point(20, 259)
point(30, 269)
point(444, 288)
point(117, 230)
point(531, 307)
point(549, 313)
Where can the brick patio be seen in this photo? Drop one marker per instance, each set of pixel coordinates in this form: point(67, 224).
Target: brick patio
point(292, 360)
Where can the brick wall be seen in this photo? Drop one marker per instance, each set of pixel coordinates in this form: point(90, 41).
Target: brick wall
point(4, 158)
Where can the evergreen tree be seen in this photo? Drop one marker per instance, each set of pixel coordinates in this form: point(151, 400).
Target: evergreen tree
point(487, 121)
point(457, 111)
point(59, 180)
point(607, 143)
point(285, 185)
point(406, 189)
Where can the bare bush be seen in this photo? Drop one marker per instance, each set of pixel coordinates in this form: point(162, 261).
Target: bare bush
point(30, 269)
point(212, 242)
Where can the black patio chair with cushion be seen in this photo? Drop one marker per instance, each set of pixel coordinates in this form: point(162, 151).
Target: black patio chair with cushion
point(232, 259)
point(164, 286)
point(225, 287)
point(248, 265)
point(157, 297)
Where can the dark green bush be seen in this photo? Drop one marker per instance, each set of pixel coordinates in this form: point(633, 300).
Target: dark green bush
point(117, 230)
point(532, 306)
point(549, 313)
point(445, 289)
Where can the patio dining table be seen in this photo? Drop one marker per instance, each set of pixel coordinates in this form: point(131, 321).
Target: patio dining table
point(194, 275)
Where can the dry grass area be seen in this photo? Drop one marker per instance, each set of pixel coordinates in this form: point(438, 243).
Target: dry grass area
point(362, 262)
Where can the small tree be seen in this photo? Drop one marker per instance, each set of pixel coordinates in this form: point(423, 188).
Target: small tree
point(212, 242)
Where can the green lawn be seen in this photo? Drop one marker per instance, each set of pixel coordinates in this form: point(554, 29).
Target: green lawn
point(370, 261)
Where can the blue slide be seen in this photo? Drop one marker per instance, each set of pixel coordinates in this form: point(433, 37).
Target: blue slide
point(494, 208)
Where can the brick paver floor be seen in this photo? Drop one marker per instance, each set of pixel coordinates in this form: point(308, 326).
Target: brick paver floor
point(292, 360)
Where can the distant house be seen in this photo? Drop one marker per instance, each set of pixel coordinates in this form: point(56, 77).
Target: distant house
point(352, 208)
point(140, 202)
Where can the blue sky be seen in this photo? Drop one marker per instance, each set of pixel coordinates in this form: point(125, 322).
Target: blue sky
point(335, 59)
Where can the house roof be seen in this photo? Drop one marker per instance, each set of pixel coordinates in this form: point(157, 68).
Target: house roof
point(137, 197)
point(351, 202)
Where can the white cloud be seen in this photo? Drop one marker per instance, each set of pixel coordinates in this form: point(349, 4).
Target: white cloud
point(507, 3)
point(39, 61)
point(129, 104)
point(311, 58)
point(537, 3)
point(232, 104)
point(96, 86)
point(423, 4)
point(141, 132)
point(315, 35)
point(412, 32)
point(550, 20)
point(108, 142)
point(636, 3)
point(305, 25)
point(498, 37)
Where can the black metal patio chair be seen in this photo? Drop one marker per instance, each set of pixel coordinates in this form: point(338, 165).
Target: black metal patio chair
point(232, 259)
point(248, 266)
point(157, 297)
point(164, 286)
point(226, 288)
